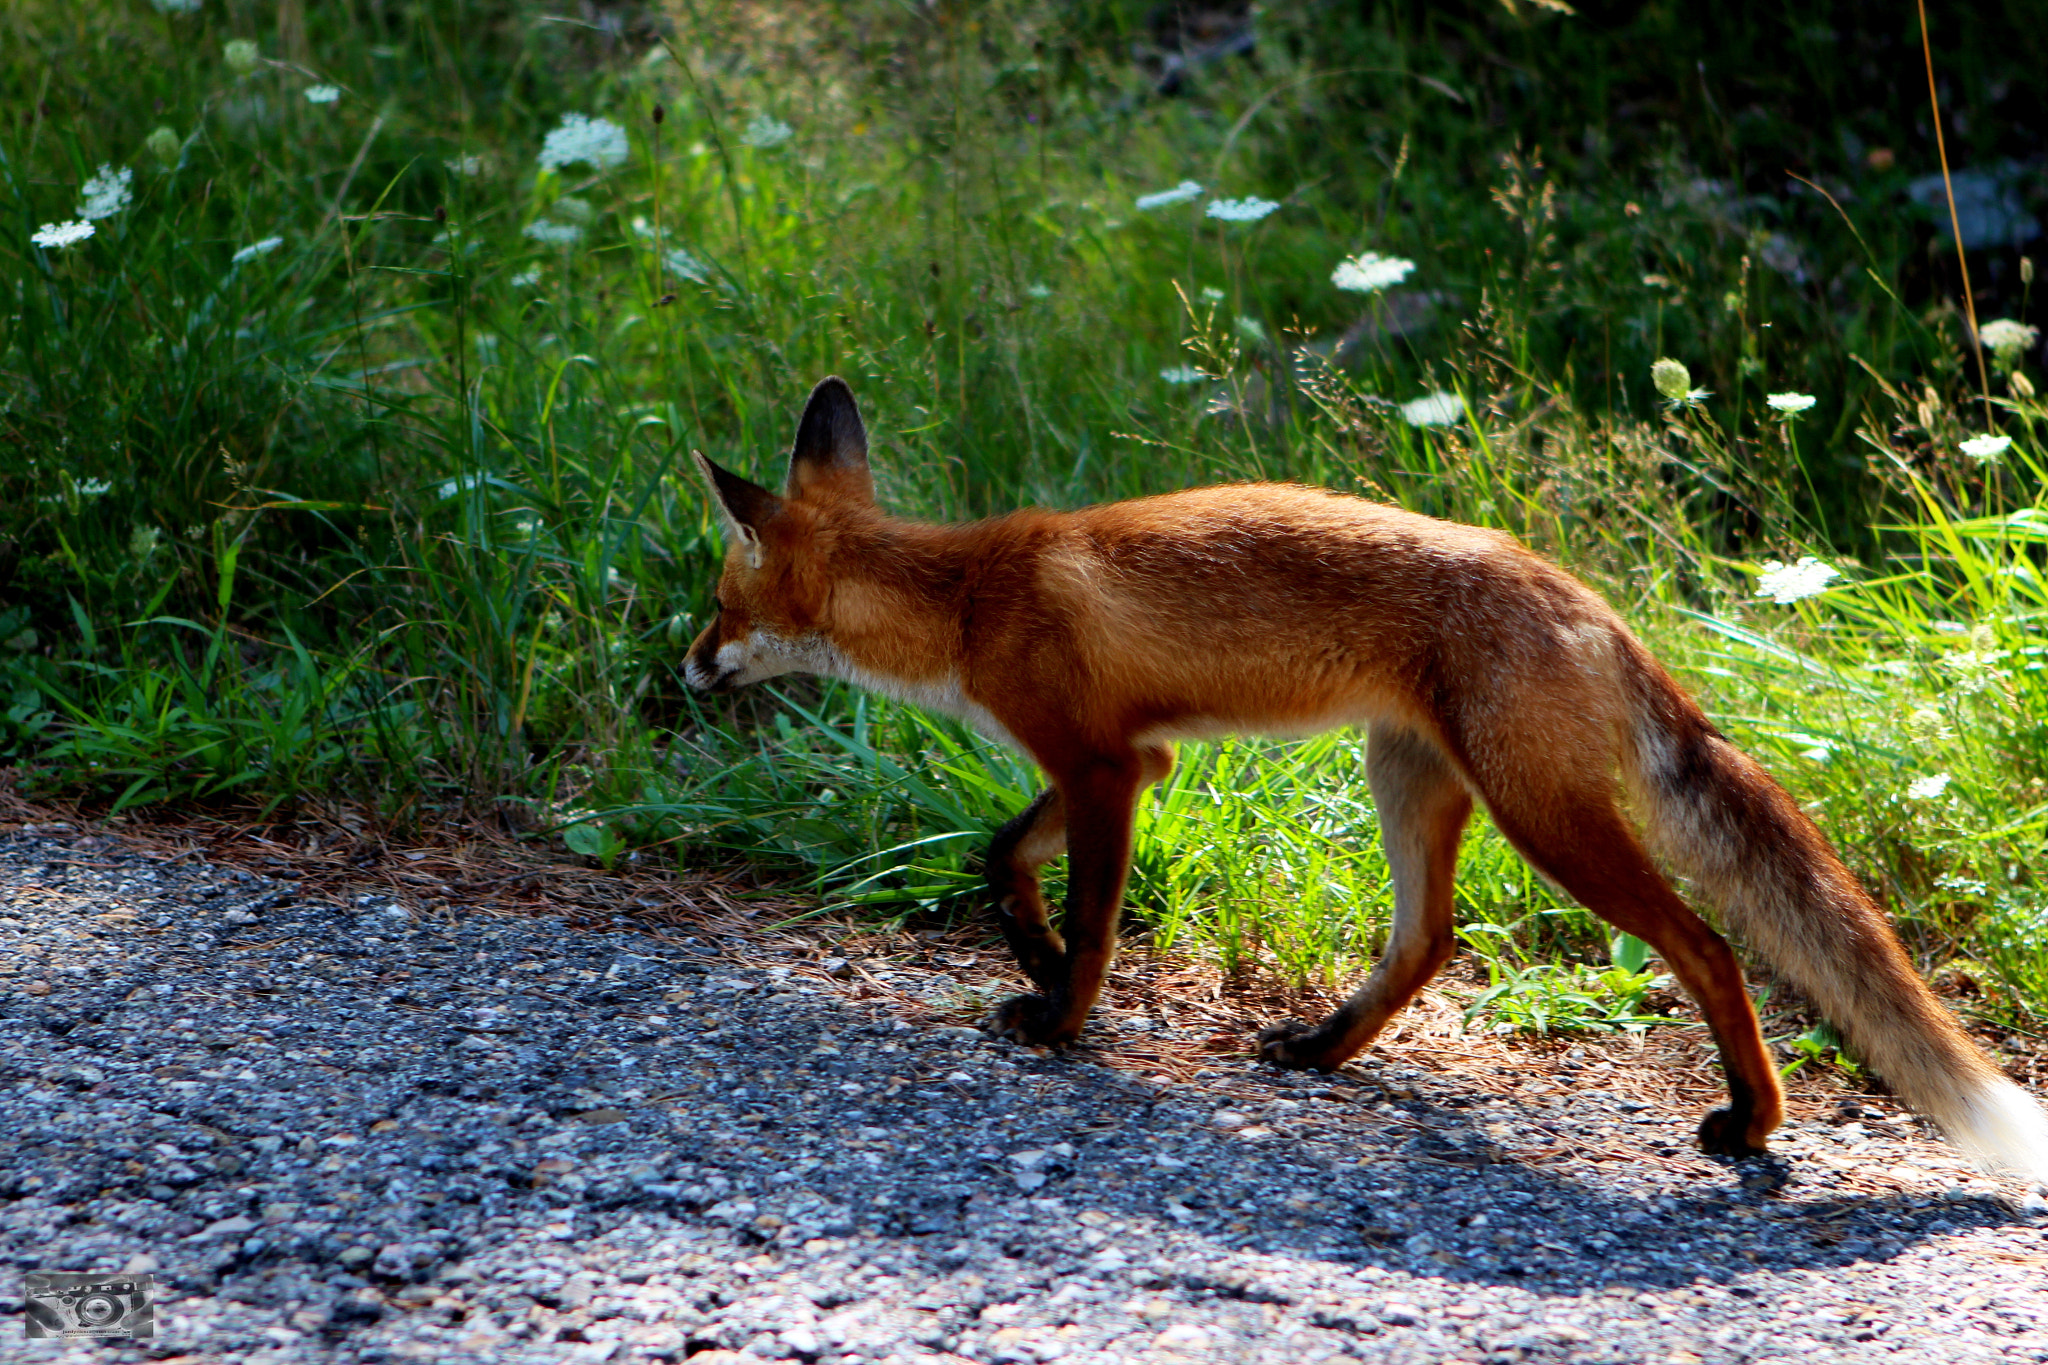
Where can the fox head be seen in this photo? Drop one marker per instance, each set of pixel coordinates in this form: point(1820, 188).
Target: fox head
point(772, 596)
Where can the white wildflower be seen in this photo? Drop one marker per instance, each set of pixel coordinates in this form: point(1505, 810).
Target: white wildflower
point(1928, 788)
point(1790, 404)
point(255, 249)
point(1241, 210)
point(1252, 330)
point(322, 94)
point(550, 233)
point(681, 262)
point(1437, 409)
point(469, 163)
point(107, 193)
point(764, 131)
point(1211, 294)
point(596, 142)
point(1038, 291)
point(462, 483)
point(176, 6)
point(1788, 583)
point(93, 488)
point(1368, 272)
point(1985, 449)
point(526, 278)
point(241, 55)
point(1182, 374)
point(2006, 338)
point(1179, 194)
point(58, 235)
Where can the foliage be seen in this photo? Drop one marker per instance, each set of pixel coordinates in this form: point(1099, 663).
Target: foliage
point(345, 457)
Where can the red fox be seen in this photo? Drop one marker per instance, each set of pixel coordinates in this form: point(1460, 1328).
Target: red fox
point(1092, 640)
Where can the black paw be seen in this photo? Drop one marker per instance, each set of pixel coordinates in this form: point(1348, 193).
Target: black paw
point(1029, 1019)
point(1725, 1133)
point(1289, 1044)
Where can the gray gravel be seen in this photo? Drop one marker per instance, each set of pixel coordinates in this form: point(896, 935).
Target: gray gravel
point(335, 1132)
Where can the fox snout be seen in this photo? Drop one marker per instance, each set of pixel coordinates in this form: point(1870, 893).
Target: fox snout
point(702, 668)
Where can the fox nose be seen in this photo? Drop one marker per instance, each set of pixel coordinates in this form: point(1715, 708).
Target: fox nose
point(708, 677)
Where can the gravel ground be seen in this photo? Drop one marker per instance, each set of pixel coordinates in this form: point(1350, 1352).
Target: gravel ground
point(338, 1132)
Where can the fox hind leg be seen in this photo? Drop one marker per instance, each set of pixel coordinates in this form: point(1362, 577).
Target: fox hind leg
point(1581, 841)
point(1423, 806)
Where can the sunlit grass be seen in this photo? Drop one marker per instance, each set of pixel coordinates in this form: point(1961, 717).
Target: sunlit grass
point(346, 456)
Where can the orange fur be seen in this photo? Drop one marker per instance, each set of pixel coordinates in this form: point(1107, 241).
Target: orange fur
point(1092, 640)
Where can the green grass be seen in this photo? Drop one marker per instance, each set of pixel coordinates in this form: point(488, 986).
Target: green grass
point(397, 511)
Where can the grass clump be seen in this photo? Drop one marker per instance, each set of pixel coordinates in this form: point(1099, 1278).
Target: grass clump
point(344, 456)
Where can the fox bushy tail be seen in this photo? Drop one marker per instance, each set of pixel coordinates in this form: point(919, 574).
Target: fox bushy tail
point(1718, 818)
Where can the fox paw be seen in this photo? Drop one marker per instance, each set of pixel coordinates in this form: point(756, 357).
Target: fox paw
point(1285, 1044)
point(1722, 1133)
point(1028, 1019)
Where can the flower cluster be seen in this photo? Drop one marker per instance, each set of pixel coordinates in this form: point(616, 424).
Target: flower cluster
point(322, 94)
point(1437, 409)
point(1789, 404)
point(765, 131)
point(1241, 210)
point(1179, 194)
point(1183, 374)
point(1369, 272)
point(106, 193)
point(1788, 583)
point(1928, 788)
point(2008, 339)
point(595, 142)
point(1985, 449)
point(55, 236)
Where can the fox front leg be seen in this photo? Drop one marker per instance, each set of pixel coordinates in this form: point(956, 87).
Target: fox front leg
point(1089, 810)
point(1020, 848)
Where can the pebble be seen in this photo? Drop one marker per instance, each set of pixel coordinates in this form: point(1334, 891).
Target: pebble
point(337, 1133)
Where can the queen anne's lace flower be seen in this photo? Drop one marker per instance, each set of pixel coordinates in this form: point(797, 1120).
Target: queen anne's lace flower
point(1437, 409)
point(106, 194)
point(1241, 210)
point(1182, 374)
point(1368, 272)
point(1179, 194)
point(55, 236)
point(1928, 788)
point(595, 142)
point(175, 6)
point(1787, 583)
point(322, 94)
point(550, 233)
point(1790, 404)
point(765, 131)
point(2007, 338)
point(1985, 449)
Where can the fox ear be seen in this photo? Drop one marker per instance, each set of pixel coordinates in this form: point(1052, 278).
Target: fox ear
point(744, 507)
point(831, 449)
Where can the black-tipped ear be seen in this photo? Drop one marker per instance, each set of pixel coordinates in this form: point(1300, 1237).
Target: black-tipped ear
point(743, 506)
point(831, 443)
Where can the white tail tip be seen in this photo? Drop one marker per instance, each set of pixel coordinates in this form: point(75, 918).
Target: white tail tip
point(2003, 1129)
